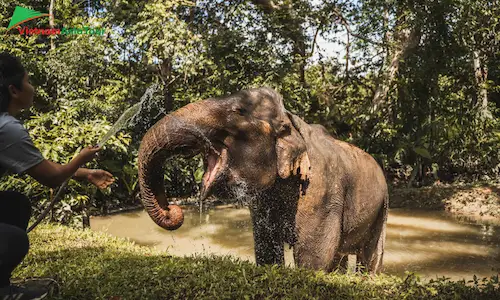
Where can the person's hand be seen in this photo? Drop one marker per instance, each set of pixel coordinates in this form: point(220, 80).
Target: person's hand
point(100, 178)
point(88, 153)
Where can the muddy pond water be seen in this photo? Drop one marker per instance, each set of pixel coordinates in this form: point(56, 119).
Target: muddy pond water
point(429, 243)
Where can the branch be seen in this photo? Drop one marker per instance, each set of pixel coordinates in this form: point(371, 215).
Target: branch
point(267, 5)
point(338, 89)
point(349, 30)
point(347, 57)
point(315, 37)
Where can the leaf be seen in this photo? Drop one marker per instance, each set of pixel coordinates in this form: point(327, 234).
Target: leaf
point(198, 175)
point(422, 152)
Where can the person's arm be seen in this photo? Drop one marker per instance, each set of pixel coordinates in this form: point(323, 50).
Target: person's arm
point(19, 155)
point(83, 174)
point(53, 174)
point(100, 178)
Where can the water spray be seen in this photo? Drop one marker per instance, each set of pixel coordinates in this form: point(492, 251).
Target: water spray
point(123, 120)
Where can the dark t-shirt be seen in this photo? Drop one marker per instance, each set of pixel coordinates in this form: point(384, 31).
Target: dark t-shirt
point(17, 151)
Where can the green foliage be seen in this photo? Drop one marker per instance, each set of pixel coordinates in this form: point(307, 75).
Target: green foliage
point(431, 120)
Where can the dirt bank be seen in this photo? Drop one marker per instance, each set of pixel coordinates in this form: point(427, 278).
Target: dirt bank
point(474, 201)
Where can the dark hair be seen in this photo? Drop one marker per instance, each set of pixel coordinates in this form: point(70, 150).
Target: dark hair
point(11, 73)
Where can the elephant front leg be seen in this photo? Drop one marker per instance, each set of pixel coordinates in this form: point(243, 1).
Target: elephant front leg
point(269, 247)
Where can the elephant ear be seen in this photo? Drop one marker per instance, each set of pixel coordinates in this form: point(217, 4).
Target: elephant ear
point(291, 148)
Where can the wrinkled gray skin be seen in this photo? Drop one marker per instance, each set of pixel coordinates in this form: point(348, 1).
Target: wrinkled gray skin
point(325, 197)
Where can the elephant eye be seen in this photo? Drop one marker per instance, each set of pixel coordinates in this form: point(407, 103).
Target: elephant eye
point(284, 129)
point(241, 111)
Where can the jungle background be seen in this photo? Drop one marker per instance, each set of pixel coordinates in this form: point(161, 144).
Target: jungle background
point(414, 83)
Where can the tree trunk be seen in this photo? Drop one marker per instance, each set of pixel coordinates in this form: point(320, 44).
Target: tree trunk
point(407, 39)
point(85, 216)
point(51, 23)
point(166, 75)
point(481, 74)
point(55, 91)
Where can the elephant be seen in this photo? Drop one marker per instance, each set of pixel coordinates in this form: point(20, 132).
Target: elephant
point(324, 197)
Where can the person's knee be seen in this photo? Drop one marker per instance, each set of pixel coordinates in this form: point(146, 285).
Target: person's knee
point(14, 242)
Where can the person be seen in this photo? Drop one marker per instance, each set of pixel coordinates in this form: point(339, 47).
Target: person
point(19, 155)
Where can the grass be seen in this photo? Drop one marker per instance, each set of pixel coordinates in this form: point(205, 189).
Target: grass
point(93, 265)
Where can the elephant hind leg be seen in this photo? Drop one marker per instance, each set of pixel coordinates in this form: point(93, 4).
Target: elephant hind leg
point(371, 254)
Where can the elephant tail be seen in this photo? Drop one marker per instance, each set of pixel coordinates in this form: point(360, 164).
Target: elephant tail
point(381, 164)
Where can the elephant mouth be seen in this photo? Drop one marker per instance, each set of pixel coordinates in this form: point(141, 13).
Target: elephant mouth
point(216, 163)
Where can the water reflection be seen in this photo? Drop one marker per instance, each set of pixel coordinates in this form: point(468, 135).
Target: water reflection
point(433, 244)
point(426, 242)
point(224, 231)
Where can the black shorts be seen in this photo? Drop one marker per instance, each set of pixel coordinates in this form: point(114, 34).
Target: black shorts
point(15, 213)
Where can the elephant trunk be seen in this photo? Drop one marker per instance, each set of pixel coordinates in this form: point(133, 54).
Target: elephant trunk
point(184, 132)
